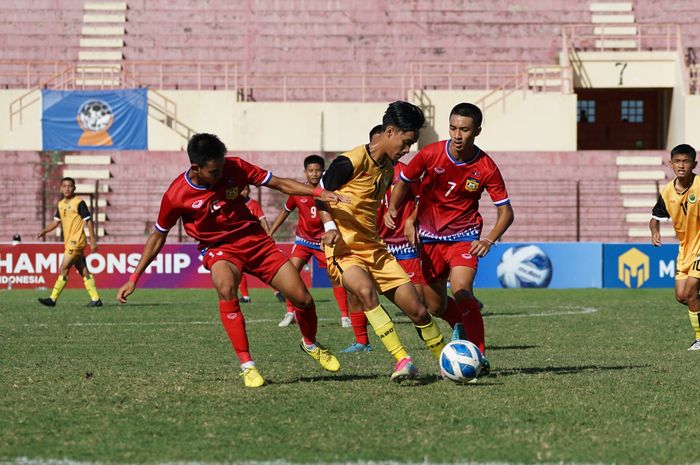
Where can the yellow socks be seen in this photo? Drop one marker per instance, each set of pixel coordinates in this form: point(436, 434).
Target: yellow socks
point(58, 288)
point(695, 323)
point(432, 337)
point(91, 287)
point(384, 328)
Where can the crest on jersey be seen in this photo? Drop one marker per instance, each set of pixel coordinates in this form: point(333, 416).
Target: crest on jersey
point(232, 193)
point(692, 198)
point(197, 203)
point(439, 170)
point(302, 200)
point(472, 184)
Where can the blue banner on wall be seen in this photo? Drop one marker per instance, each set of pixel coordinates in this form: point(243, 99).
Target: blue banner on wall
point(541, 264)
point(95, 120)
point(639, 265)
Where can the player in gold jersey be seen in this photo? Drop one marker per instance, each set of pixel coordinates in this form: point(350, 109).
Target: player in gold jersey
point(356, 255)
point(678, 202)
point(72, 214)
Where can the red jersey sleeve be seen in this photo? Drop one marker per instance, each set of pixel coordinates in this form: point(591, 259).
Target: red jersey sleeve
point(167, 215)
point(255, 209)
point(496, 188)
point(415, 168)
point(254, 174)
point(291, 204)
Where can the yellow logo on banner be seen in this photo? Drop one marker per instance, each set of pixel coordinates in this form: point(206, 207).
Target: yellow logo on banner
point(633, 264)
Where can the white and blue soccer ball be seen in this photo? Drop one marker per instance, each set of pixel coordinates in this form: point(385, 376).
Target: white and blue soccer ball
point(524, 266)
point(461, 361)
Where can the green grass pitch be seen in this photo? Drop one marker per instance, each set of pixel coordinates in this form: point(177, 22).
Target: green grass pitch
point(578, 376)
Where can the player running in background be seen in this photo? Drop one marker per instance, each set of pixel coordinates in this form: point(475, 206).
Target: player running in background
point(678, 202)
point(232, 241)
point(357, 257)
point(72, 214)
point(454, 174)
point(255, 208)
point(309, 232)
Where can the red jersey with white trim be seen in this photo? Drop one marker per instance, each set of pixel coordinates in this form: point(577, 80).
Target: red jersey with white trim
point(309, 228)
point(448, 210)
point(255, 208)
point(395, 239)
point(214, 214)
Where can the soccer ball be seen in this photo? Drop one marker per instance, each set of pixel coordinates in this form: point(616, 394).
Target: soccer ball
point(461, 361)
point(95, 115)
point(524, 266)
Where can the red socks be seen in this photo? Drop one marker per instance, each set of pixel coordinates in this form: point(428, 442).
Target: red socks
point(341, 296)
point(359, 327)
point(473, 322)
point(234, 324)
point(453, 314)
point(243, 286)
point(307, 320)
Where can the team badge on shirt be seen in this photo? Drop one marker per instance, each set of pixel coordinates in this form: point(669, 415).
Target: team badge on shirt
point(232, 193)
point(692, 198)
point(472, 184)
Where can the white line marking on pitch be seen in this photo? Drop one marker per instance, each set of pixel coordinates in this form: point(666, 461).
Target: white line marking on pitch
point(582, 311)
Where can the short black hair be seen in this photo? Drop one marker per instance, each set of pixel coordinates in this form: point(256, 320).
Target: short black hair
point(205, 147)
point(403, 116)
point(684, 149)
point(71, 180)
point(314, 159)
point(378, 129)
point(468, 110)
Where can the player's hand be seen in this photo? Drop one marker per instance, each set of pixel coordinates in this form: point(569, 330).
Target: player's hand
point(656, 239)
point(40, 234)
point(411, 233)
point(331, 237)
point(125, 291)
point(332, 197)
point(480, 248)
point(93, 247)
point(389, 218)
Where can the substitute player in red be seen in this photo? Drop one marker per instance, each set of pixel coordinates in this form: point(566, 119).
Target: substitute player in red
point(309, 232)
point(232, 241)
point(454, 174)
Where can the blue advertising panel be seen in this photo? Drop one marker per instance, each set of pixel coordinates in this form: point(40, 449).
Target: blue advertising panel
point(554, 265)
point(95, 120)
point(639, 265)
point(538, 264)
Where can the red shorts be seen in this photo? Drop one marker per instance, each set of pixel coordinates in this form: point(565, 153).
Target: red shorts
point(305, 253)
point(262, 261)
point(439, 258)
point(413, 269)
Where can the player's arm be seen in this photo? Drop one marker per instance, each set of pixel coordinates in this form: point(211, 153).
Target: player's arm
point(281, 218)
point(292, 187)
point(51, 226)
point(154, 244)
point(412, 173)
point(265, 225)
point(409, 228)
point(503, 221)
point(336, 176)
point(658, 214)
point(85, 214)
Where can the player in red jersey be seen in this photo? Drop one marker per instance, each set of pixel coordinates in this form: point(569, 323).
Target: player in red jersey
point(454, 174)
point(256, 209)
point(309, 232)
point(232, 241)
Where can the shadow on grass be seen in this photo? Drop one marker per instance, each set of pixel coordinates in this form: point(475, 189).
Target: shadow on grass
point(322, 378)
point(520, 347)
point(565, 370)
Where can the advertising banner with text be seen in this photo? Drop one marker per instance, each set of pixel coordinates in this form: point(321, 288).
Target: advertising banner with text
point(27, 266)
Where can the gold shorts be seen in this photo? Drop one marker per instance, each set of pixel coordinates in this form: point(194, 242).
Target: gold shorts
point(381, 266)
point(73, 251)
point(687, 266)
